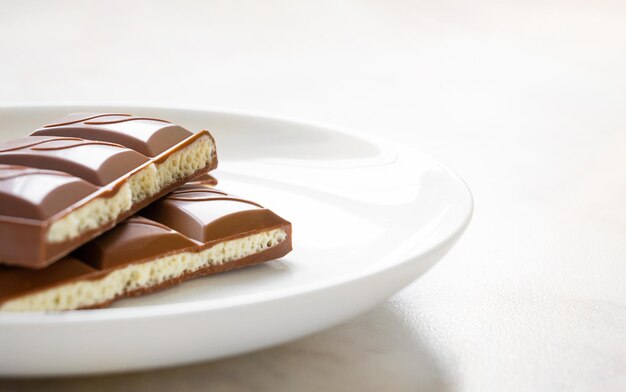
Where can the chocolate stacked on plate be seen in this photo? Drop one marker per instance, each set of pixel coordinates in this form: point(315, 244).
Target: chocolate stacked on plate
point(83, 177)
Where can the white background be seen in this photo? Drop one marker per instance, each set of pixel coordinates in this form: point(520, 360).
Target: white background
point(526, 100)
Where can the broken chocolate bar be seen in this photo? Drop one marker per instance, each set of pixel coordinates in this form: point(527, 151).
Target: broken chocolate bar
point(76, 178)
point(194, 231)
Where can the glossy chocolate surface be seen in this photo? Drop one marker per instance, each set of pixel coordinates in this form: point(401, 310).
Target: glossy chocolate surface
point(205, 214)
point(139, 239)
point(16, 281)
point(136, 238)
point(38, 194)
point(45, 177)
point(148, 136)
point(94, 161)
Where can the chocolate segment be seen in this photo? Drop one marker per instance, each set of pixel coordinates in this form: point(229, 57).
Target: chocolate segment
point(148, 136)
point(16, 281)
point(58, 192)
point(97, 162)
point(206, 214)
point(134, 239)
point(39, 194)
point(142, 255)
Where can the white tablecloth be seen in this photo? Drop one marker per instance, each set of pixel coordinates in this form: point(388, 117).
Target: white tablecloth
point(526, 100)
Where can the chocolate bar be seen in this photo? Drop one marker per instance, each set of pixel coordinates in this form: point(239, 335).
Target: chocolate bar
point(77, 177)
point(194, 231)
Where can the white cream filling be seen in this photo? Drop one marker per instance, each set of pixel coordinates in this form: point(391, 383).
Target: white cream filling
point(91, 215)
point(132, 277)
point(141, 185)
point(185, 161)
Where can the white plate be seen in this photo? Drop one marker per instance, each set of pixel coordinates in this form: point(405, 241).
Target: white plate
point(369, 217)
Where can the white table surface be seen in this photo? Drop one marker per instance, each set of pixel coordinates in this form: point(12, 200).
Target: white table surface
point(526, 100)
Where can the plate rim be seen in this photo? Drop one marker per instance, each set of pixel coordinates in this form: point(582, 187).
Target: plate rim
point(160, 310)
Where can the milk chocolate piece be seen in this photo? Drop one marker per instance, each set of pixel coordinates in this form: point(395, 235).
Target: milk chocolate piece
point(148, 136)
point(97, 162)
point(16, 281)
point(206, 214)
point(143, 255)
point(58, 192)
point(39, 194)
point(136, 238)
